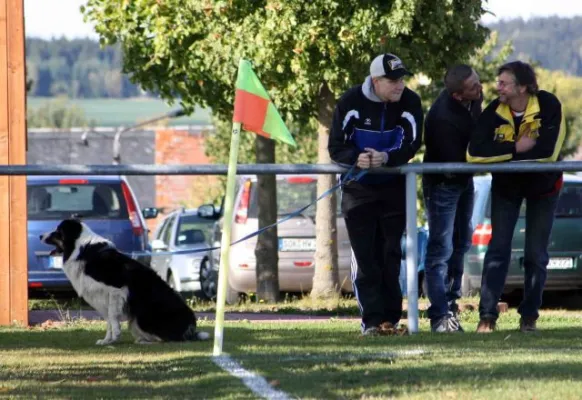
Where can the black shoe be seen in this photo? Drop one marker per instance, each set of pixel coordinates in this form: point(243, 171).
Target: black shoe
point(371, 331)
point(527, 325)
point(447, 324)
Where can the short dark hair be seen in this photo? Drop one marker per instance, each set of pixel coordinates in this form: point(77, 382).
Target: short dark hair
point(524, 75)
point(456, 76)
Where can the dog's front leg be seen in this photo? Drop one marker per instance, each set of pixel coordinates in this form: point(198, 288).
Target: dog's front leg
point(107, 338)
point(114, 315)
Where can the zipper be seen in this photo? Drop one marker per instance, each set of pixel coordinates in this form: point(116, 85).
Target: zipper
point(382, 120)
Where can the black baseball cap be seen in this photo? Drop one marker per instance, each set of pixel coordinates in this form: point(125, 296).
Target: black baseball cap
point(389, 66)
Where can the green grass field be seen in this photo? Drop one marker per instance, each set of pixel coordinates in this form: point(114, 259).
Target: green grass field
point(308, 360)
point(115, 112)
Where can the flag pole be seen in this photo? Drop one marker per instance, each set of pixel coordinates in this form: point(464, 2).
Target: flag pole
point(225, 241)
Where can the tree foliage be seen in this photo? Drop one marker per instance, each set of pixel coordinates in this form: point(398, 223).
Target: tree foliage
point(189, 50)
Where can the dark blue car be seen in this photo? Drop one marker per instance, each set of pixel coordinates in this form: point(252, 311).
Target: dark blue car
point(105, 203)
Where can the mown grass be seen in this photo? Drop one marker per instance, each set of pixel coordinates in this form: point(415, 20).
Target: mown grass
point(309, 360)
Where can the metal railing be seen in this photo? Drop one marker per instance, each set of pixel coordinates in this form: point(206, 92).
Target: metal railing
point(282, 169)
point(410, 170)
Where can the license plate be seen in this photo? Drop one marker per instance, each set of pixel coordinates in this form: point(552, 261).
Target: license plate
point(561, 263)
point(56, 262)
point(297, 244)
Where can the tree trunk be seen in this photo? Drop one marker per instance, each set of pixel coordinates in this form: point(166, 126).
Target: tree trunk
point(326, 277)
point(267, 251)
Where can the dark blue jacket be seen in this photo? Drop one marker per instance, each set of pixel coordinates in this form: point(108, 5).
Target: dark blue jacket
point(362, 120)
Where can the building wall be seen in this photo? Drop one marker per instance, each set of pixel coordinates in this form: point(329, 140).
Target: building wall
point(175, 147)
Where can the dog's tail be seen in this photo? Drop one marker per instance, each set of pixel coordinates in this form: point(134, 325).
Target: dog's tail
point(192, 334)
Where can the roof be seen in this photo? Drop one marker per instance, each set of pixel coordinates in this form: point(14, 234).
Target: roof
point(51, 178)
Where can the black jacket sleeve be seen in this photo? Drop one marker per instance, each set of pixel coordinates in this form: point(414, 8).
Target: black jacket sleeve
point(436, 133)
point(551, 133)
point(411, 121)
point(340, 149)
point(483, 148)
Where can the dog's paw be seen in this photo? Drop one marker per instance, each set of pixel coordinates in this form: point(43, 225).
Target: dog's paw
point(104, 342)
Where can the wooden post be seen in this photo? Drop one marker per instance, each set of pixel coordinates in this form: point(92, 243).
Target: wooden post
point(13, 219)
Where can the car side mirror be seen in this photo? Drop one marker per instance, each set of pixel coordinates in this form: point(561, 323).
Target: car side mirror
point(206, 211)
point(149, 212)
point(158, 245)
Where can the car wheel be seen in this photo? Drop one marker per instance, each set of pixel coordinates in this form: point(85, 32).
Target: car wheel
point(208, 281)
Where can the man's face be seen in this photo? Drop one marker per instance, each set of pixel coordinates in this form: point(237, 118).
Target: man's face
point(388, 90)
point(507, 87)
point(471, 88)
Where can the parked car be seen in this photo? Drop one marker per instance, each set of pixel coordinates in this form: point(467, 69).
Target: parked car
point(105, 203)
point(565, 249)
point(176, 252)
point(296, 237)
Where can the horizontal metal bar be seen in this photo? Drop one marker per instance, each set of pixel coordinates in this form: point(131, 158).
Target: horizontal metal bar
point(280, 169)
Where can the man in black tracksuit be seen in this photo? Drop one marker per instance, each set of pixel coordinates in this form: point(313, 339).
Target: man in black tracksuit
point(448, 198)
point(522, 124)
point(377, 123)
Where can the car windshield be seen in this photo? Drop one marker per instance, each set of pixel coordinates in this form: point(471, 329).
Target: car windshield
point(86, 200)
point(292, 194)
point(193, 230)
point(569, 203)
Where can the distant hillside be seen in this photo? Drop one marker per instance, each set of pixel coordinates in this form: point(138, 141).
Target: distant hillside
point(116, 112)
point(555, 43)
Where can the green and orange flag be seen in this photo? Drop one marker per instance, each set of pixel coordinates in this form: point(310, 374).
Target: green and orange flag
point(254, 109)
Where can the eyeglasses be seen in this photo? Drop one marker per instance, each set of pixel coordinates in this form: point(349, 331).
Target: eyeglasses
point(503, 84)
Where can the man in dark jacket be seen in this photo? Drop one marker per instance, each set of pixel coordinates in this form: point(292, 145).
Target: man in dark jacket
point(523, 124)
point(448, 198)
point(377, 123)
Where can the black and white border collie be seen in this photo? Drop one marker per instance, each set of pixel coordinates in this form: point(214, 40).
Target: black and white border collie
point(120, 288)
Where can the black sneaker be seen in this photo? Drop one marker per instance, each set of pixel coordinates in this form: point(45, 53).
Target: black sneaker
point(371, 331)
point(527, 325)
point(447, 324)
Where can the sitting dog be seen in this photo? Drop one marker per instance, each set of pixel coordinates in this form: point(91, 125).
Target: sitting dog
point(119, 287)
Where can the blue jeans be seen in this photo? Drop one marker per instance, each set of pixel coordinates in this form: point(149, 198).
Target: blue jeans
point(539, 219)
point(449, 208)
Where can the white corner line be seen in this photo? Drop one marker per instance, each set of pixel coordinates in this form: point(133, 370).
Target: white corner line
point(256, 383)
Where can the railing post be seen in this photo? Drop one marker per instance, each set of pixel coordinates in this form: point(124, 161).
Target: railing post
point(411, 253)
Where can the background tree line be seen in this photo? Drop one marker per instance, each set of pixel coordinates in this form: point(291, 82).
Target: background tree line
point(552, 42)
point(81, 68)
point(77, 68)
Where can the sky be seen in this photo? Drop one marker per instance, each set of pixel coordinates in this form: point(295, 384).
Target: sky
point(56, 18)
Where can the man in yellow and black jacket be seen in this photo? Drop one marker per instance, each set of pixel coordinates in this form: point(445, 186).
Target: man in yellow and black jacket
point(522, 124)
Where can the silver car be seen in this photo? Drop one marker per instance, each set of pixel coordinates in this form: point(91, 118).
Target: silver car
point(180, 252)
point(296, 237)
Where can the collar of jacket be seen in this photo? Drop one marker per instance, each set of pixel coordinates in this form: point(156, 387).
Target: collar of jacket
point(532, 109)
point(368, 90)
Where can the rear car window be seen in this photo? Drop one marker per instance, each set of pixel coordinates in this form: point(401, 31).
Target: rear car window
point(193, 229)
point(60, 201)
point(292, 194)
point(569, 203)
